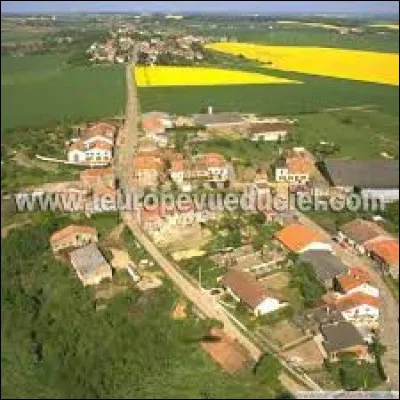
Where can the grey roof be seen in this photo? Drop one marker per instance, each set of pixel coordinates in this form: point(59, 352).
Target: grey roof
point(374, 174)
point(326, 265)
point(87, 259)
point(220, 118)
point(341, 336)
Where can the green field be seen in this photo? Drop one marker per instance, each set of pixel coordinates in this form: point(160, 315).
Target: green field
point(315, 94)
point(55, 344)
point(42, 90)
point(269, 32)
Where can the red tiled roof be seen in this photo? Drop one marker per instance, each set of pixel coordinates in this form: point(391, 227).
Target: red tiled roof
point(98, 144)
point(97, 172)
point(386, 249)
point(147, 162)
point(299, 165)
point(71, 230)
point(245, 287)
point(77, 145)
point(101, 129)
point(355, 300)
point(296, 237)
point(353, 278)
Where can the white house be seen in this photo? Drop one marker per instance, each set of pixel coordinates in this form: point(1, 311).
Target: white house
point(98, 151)
point(244, 288)
point(359, 308)
point(356, 280)
point(268, 131)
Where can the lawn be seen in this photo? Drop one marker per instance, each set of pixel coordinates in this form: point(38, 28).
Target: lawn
point(55, 344)
point(42, 90)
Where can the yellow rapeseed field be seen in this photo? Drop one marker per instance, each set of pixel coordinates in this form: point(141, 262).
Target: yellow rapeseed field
point(200, 76)
point(339, 63)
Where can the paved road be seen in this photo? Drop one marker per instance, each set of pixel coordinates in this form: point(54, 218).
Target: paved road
point(128, 135)
point(389, 324)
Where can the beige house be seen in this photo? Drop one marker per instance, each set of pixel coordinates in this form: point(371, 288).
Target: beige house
point(72, 236)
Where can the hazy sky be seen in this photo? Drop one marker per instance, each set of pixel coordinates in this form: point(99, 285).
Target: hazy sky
point(251, 7)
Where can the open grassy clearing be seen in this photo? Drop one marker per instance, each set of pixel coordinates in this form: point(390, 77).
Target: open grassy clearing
point(42, 90)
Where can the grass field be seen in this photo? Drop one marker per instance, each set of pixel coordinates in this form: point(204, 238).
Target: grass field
point(41, 91)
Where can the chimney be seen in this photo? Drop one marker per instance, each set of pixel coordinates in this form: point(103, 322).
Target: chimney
point(210, 110)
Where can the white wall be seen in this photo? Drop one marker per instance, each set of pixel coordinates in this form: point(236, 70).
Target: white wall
point(387, 195)
point(268, 305)
point(317, 246)
point(367, 289)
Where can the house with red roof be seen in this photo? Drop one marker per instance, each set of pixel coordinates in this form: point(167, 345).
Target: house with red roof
point(148, 170)
point(300, 238)
point(386, 252)
point(358, 308)
point(210, 167)
point(356, 280)
point(246, 289)
point(72, 236)
point(95, 145)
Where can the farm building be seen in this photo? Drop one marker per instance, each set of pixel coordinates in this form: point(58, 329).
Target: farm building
point(243, 288)
point(224, 121)
point(267, 131)
point(326, 266)
point(90, 265)
point(377, 179)
point(72, 236)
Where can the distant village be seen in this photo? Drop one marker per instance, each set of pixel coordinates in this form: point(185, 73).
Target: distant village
point(155, 47)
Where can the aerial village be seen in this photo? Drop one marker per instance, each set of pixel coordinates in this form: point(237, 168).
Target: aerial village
point(247, 262)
